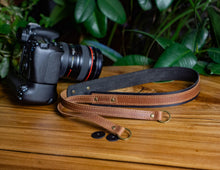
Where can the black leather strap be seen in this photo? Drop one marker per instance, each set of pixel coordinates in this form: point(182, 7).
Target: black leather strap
point(103, 85)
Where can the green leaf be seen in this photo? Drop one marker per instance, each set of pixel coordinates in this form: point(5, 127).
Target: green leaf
point(133, 60)
point(19, 23)
point(83, 9)
point(145, 4)
point(200, 67)
point(215, 23)
point(4, 67)
point(195, 39)
point(214, 68)
point(176, 55)
point(214, 54)
point(163, 42)
point(4, 17)
point(108, 52)
point(59, 2)
point(96, 24)
point(58, 13)
point(45, 21)
point(163, 4)
point(5, 29)
point(31, 19)
point(113, 9)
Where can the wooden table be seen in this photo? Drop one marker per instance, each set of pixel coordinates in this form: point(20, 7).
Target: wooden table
point(37, 137)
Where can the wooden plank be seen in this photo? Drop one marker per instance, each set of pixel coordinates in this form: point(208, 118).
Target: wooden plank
point(191, 139)
point(22, 160)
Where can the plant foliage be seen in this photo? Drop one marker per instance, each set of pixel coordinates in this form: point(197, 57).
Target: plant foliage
point(182, 33)
point(11, 18)
point(189, 38)
point(94, 15)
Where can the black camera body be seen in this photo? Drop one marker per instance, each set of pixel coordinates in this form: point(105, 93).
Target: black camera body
point(44, 61)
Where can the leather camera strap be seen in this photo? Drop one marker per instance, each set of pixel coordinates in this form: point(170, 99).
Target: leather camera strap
point(91, 100)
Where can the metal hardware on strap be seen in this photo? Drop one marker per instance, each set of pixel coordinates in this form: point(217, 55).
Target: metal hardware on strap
point(168, 119)
point(129, 134)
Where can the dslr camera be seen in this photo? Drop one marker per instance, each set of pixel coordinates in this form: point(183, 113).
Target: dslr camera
point(44, 61)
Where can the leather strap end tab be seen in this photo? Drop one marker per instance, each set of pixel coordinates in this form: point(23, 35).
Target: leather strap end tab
point(156, 115)
point(118, 130)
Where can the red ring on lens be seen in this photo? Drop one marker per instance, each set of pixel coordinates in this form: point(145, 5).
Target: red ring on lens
point(90, 71)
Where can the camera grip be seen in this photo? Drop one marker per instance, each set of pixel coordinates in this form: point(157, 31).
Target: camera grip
point(35, 93)
point(45, 68)
point(31, 93)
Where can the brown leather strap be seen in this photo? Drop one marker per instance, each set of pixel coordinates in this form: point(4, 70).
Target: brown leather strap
point(79, 106)
point(145, 100)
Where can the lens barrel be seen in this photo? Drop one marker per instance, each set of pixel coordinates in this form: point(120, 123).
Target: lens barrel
point(80, 63)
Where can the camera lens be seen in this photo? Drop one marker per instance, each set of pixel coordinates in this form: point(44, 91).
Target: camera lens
point(80, 63)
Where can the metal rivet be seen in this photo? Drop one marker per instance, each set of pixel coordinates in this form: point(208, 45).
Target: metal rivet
point(113, 99)
point(96, 99)
point(152, 115)
point(113, 127)
point(88, 88)
point(73, 91)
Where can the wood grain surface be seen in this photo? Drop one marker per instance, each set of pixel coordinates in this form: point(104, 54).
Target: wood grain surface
point(37, 137)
